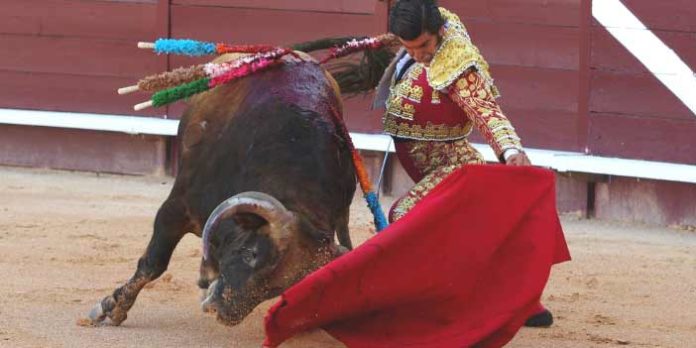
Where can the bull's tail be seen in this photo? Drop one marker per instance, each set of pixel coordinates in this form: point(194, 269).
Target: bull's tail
point(354, 75)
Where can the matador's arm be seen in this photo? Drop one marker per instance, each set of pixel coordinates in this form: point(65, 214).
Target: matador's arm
point(472, 94)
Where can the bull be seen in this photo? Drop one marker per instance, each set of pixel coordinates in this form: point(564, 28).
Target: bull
point(267, 177)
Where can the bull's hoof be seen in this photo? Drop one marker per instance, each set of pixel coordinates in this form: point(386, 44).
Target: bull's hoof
point(96, 315)
point(106, 308)
point(117, 317)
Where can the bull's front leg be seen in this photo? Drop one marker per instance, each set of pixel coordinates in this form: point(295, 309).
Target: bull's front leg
point(171, 223)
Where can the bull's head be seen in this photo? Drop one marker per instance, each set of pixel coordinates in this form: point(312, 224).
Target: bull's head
point(262, 249)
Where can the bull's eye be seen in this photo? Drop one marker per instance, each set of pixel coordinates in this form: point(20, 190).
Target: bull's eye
point(249, 256)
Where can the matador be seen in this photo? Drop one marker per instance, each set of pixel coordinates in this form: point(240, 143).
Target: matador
point(436, 91)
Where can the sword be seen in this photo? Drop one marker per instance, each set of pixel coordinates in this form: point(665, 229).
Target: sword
point(384, 166)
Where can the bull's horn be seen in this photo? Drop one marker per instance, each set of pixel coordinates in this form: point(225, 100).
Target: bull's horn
point(261, 204)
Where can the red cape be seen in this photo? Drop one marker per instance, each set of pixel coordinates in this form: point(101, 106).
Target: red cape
point(466, 267)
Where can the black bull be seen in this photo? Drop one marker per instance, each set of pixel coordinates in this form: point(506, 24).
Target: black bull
point(271, 141)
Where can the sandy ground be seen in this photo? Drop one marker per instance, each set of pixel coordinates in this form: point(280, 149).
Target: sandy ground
point(68, 239)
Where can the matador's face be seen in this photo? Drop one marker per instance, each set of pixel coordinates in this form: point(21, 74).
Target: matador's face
point(422, 49)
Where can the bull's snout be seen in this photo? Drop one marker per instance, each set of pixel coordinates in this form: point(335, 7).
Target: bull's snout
point(221, 305)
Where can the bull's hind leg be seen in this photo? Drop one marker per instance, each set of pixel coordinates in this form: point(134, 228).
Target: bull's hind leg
point(171, 223)
point(342, 232)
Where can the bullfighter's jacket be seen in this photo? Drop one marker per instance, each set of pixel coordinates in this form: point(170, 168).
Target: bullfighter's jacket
point(447, 99)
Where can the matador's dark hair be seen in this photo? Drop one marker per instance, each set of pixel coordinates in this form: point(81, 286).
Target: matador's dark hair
point(410, 18)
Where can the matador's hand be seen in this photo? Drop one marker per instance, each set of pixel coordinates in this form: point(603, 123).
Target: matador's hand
point(519, 159)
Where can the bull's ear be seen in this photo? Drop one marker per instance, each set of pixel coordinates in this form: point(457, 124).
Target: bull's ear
point(249, 221)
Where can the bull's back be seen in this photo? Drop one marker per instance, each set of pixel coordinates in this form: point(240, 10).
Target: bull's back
point(273, 132)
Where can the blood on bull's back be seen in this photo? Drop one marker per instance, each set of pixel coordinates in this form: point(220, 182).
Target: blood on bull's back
point(274, 132)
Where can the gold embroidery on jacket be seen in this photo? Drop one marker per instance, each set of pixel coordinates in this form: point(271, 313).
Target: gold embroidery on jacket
point(430, 132)
point(410, 91)
point(474, 96)
point(406, 90)
point(455, 55)
point(435, 99)
point(435, 160)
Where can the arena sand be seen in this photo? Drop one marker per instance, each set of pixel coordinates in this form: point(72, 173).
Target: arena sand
point(68, 239)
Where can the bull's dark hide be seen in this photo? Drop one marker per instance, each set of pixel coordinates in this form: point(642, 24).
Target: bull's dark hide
point(271, 141)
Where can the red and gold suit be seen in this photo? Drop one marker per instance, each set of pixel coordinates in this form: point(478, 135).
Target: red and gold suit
point(431, 111)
